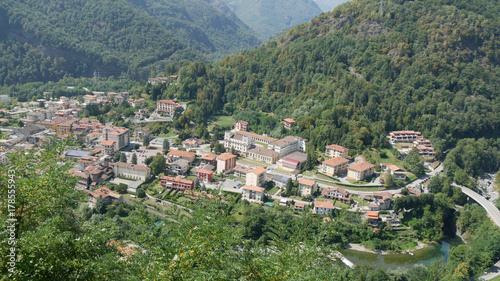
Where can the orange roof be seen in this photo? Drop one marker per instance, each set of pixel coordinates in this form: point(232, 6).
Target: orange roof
point(323, 204)
point(106, 142)
point(259, 170)
point(204, 171)
point(289, 120)
point(181, 153)
point(335, 161)
point(226, 156)
point(307, 182)
point(372, 215)
point(360, 167)
point(254, 188)
point(337, 147)
point(209, 156)
point(167, 102)
point(104, 192)
point(300, 205)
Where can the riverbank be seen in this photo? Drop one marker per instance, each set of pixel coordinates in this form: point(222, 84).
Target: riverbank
point(361, 248)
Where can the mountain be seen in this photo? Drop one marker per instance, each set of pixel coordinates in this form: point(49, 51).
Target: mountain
point(45, 41)
point(208, 26)
point(353, 74)
point(268, 17)
point(328, 5)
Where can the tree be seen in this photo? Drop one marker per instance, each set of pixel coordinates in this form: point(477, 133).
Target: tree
point(289, 188)
point(100, 206)
point(389, 179)
point(141, 193)
point(134, 159)
point(158, 164)
point(148, 160)
point(145, 141)
point(20, 123)
point(116, 157)
point(121, 188)
point(196, 183)
point(136, 146)
point(123, 158)
point(166, 144)
point(414, 163)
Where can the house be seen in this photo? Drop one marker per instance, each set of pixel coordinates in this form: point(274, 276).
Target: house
point(288, 123)
point(263, 154)
point(284, 202)
point(397, 172)
point(286, 145)
point(109, 147)
point(175, 155)
point(383, 200)
point(404, 136)
point(226, 163)
point(335, 150)
point(372, 217)
point(105, 194)
point(337, 193)
point(280, 181)
point(360, 171)
point(120, 135)
point(253, 193)
point(179, 167)
point(192, 143)
point(426, 151)
point(307, 187)
point(299, 206)
point(256, 177)
point(238, 143)
point(136, 102)
point(209, 159)
point(241, 125)
point(131, 171)
point(176, 183)
point(292, 161)
point(204, 175)
point(241, 171)
point(141, 114)
point(334, 166)
point(323, 207)
point(168, 107)
point(256, 137)
point(90, 99)
point(141, 132)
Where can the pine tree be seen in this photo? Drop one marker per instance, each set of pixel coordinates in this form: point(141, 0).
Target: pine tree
point(166, 144)
point(123, 158)
point(134, 159)
point(145, 141)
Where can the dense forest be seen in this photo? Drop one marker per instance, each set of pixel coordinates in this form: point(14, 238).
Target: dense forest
point(45, 41)
point(352, 75)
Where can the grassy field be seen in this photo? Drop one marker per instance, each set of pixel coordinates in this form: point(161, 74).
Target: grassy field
point(272, 190)
point(254, 162)
point(221, 121)
point(261, 144)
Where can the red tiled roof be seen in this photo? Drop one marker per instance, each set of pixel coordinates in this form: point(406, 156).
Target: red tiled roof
point(254, 188)
point(337, 147)
point(360, 167)
point(323, 204)
point(335, 161)
point(307, 182)
point(204, 171)
point(372, 215)
point(106, 142)
point(226, 156)
point(289, 120)
point(181, 153)
point(259, 170)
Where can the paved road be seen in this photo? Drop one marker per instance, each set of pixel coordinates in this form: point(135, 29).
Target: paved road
point(492, 211)
point(494, 214)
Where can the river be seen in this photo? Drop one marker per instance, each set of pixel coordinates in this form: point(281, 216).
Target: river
point(423, 256)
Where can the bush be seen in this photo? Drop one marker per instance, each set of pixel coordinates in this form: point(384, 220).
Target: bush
point(141, 193)
point(121, 188)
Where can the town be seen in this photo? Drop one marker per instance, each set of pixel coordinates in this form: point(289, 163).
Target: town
point(113, 162)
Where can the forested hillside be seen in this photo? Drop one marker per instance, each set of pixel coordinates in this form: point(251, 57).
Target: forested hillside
point(208, 26)
point(44, 41)
point(269, 17)
point(352, 75)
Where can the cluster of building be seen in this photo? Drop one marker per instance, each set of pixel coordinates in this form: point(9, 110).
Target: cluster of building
point(340, 164)
point(161, 80)
point(423, 145)
point(109, 97)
